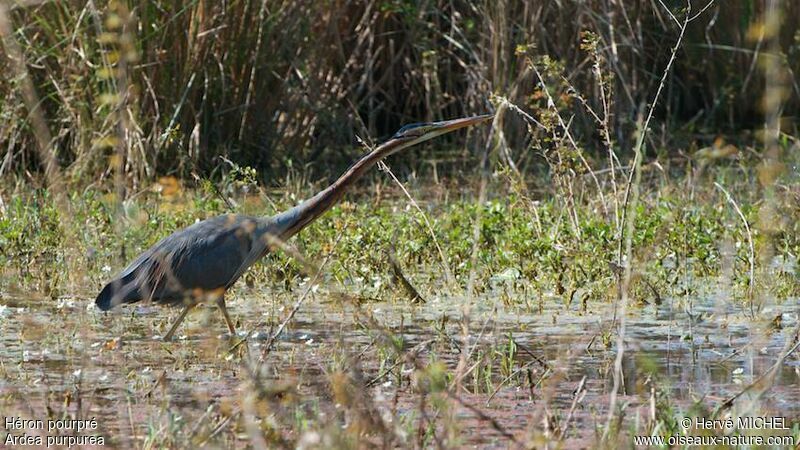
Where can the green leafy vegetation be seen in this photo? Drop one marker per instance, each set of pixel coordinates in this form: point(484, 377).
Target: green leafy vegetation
point(682, 241)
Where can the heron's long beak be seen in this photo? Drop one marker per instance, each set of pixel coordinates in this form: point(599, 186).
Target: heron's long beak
point(415, 133)
point(447, 126)
point(431, 130)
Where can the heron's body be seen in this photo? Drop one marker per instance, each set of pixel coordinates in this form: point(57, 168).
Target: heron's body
point(204, 260)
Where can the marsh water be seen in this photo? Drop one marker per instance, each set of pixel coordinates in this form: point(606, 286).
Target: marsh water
point(63, 358)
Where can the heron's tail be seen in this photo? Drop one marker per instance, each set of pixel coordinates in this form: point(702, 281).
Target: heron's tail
point(116, 293)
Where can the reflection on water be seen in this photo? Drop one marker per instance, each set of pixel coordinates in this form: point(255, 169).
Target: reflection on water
point(706, 351)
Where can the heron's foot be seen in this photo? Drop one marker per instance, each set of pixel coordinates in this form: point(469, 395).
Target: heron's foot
point(227, 335)
point(228, 321)
point(172, 338)
point(168, 337)
point(240, 347)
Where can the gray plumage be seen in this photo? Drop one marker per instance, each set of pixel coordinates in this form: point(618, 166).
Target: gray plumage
point(209, 255)
point(204, 260)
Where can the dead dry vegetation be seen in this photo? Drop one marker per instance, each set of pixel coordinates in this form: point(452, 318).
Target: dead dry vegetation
point(616, 252)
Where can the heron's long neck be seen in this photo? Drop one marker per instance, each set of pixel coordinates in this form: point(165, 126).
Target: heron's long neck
point(288, 223)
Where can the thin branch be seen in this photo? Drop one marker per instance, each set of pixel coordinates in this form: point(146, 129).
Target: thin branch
point(445, 265)
point(633, 188)
point(751, 258)
point(765, 380)
point(552, 105)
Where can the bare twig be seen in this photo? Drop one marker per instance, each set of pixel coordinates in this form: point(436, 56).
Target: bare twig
point(577, 397)
point(466, 308)
point(483, 416)
point(513, 374)
point(552, 105)
point(311, 283)
point(254, 65)
point(765, 381)
point(40, 130)
point(398, 275)
point(628, 222)
point(751, 256)
point(445, 264)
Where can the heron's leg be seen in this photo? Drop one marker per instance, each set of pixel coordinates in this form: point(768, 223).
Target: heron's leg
point(228, 321)
point(168, 336)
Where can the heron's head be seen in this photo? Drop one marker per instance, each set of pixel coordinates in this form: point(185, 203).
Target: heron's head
point(415, 133)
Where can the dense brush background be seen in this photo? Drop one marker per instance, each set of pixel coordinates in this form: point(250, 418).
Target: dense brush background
point(170, 86)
